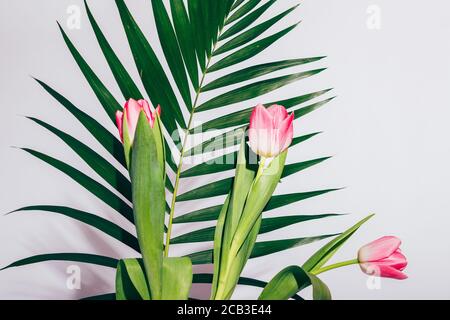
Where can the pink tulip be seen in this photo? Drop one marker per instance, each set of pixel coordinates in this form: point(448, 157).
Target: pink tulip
point(271, 130)
point(132, 110)
point(383, 258)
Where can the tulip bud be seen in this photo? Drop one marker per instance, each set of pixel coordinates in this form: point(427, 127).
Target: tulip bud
point(383, 258)
point(127, 122)
point(132, 110)
point(271, 130)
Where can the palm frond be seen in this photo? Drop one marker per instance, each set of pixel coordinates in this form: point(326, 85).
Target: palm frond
point(90, 219)
point(197, 38)
point(261, 248)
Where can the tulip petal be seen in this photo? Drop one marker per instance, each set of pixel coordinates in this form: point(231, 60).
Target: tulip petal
point(146, 107)
point(379, 270)
point(260, 118)
point(158, 110)
point(397, 260)
point(379, 249)
point(390, 272)
point(261, 131)
point(132, 109)
point(119, 122)
point(278, 114)
point(286, 132)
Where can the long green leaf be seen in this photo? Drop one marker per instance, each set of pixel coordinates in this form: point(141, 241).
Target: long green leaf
point(249, 51)
point(261, 248)
point(112, 263)
point(101, 297)
point(285, 284)
point(258, 197)
point(103, 136)
point(213, 189)
point(267, 225)
point(208, 13)
point(243, 116)
point(152, 74)
point(171, 49)
point(254, 90)
point(149, 203)
point(177, 278)
point(131, 283)
point(242, 11)
point(219, 246)
point(201, 278)
point(207, 278)
point(232, 137)
point(256, 71)
point(291, 280)
point(325, 253)
point(222, 141)
point(269, 247)
point(228, 161)
point(222, 187)
point(231, 266)
point(77, 257)
point(88, 183)
point(285, 199)
point(320, 289)
point(310, 108)
point(247, 20)
point(185, 35)
point(90, 219)
point(196, 17)
point(106, 99)
point(101, 166)
point(236, 3)
point(253, 33)
point(224, 10)
point(293, 168)
point(278, 201)
point(205, 214)
point(169, 157)
point(123, 78)
point(220, 164)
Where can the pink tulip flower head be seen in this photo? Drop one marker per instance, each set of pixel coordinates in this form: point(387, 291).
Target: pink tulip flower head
point(271, 130)
point(383, 258)
point(132, 110)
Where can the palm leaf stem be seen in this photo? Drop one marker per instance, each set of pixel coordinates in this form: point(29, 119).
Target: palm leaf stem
point(180, 164)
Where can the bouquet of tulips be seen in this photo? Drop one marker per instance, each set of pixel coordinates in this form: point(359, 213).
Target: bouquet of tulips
point(260, 163)
point(199, 38)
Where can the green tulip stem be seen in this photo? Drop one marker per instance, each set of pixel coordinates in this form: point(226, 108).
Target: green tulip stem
point(262, 165)
point(335, 266)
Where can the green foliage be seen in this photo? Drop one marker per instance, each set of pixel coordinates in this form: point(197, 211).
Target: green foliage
point(192, 49)
point(131, 282)
point(291, 280)
point(147, 178)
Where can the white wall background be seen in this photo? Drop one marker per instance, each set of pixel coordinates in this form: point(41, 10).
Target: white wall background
point(387, 131)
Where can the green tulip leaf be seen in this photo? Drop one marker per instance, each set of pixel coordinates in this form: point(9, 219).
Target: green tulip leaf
point(123, 78)
point(176, 279)
point(88, 183)
point(149, 202)
point(325, 253)
point(90, 219)
point(131, 283)
point(245, 22)
point(253, 33)
point(267, 225)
